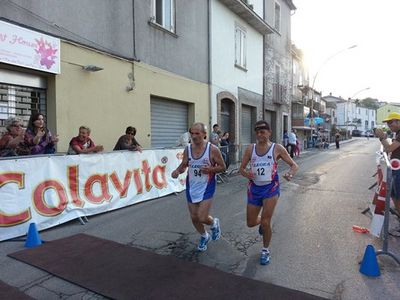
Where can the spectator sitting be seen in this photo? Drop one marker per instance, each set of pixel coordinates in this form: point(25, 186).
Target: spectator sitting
point(83, 144)
point(128, 141)
point(12, 143)
point(38, 137)
point(184, 139)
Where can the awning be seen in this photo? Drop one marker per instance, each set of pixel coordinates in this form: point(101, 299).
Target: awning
point(302, 127)
point(316, 120)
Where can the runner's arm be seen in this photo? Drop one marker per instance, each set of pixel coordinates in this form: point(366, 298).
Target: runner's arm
point(183, 165)
point(282, 153)
point(245, 161)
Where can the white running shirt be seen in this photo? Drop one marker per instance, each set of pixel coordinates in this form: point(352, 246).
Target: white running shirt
point(263, 167)
point(199, 186)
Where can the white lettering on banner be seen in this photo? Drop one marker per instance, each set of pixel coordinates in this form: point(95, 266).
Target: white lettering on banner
point(52, 190)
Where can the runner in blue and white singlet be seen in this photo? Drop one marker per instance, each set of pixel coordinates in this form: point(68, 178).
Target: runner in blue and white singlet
point(266, 180)
point(203, 160)
point(263, 188)
point(264, 167)
point(199, 186)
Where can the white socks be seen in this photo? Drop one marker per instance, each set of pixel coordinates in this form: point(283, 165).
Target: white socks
point(265, 249)
point(205, 235)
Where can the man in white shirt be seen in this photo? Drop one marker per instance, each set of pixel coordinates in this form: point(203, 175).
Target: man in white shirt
point(292, 142)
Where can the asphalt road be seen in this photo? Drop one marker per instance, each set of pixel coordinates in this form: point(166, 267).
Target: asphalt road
point(313, 246)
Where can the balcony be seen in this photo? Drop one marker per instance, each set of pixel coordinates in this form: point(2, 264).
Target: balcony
point(244, 11)
point(298, 122)
point(316, 105)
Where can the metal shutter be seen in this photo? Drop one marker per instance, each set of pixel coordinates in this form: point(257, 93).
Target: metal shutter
point(247, 125)
point(169, 120)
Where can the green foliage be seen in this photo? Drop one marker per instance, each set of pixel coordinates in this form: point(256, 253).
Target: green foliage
point(369, 103)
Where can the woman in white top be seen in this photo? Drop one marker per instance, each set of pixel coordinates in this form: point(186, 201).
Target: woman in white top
point(263, 188)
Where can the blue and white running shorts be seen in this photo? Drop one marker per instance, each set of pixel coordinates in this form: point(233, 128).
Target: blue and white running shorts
point(257, 193)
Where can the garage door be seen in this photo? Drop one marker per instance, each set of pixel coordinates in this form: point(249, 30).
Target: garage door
point(247, 125)
point(169, 120)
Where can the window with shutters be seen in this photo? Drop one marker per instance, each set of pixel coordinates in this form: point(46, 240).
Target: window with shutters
point(240, 47)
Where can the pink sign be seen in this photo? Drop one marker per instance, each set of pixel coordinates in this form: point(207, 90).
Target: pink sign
point(27, 48)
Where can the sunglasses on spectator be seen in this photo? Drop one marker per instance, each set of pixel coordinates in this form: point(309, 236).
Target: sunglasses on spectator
point(391, 121)
point(16, 125)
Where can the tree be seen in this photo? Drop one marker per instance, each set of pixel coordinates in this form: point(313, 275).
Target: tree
point(370, 103)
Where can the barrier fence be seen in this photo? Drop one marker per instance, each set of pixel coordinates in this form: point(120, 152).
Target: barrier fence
point(385, 250)
point(53, 189)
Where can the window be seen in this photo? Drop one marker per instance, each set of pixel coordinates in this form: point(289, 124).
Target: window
point(277, 74)
point(277, 22)
point(163, 14)
point(19, 101)
point(240, 47)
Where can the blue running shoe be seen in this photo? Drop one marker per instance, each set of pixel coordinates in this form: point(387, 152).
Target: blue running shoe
point(264, 258)
point(260, 230)
point(203, 243)
point(216, 231)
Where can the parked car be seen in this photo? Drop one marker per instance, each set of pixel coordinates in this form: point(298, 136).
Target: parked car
point(357, 132)
point(369, 133)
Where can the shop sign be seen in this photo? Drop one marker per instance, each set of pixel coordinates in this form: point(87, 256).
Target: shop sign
point(28, 48)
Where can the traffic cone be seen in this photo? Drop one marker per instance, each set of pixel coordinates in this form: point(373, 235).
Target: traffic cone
point(33, 238)
point(369, 265)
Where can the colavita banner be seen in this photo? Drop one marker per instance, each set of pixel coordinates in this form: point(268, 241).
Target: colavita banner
point(27, 48)
point(52, 190)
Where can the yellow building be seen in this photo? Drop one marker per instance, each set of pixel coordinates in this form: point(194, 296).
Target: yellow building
point(106, 93)
point(382, 112)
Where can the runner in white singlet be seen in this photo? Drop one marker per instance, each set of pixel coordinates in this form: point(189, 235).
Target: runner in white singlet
point(204, 161)
point(264, 167)
point(199, 186)
point(263, 189)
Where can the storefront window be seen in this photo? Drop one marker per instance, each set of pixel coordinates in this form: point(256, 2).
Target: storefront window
point(19, 101)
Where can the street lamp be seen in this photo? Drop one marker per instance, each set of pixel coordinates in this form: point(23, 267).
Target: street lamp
point(313, 83)
point(362, 90)
point(347, 107)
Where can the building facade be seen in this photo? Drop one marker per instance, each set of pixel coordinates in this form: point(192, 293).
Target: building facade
point(158, 65)
point(383, 111)
point(237, 31)
point(139, 63)
point(278, 67)
point(351, 115)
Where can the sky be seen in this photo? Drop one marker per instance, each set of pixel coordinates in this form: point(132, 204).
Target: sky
point(322, 29)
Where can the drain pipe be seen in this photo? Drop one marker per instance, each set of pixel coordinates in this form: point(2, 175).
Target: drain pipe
point(210, 102)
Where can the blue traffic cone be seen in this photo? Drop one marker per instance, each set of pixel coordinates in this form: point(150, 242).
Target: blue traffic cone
point(369, 265)
point(33, 238)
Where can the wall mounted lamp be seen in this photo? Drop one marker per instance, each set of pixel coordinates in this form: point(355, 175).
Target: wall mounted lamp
point(92, 68)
